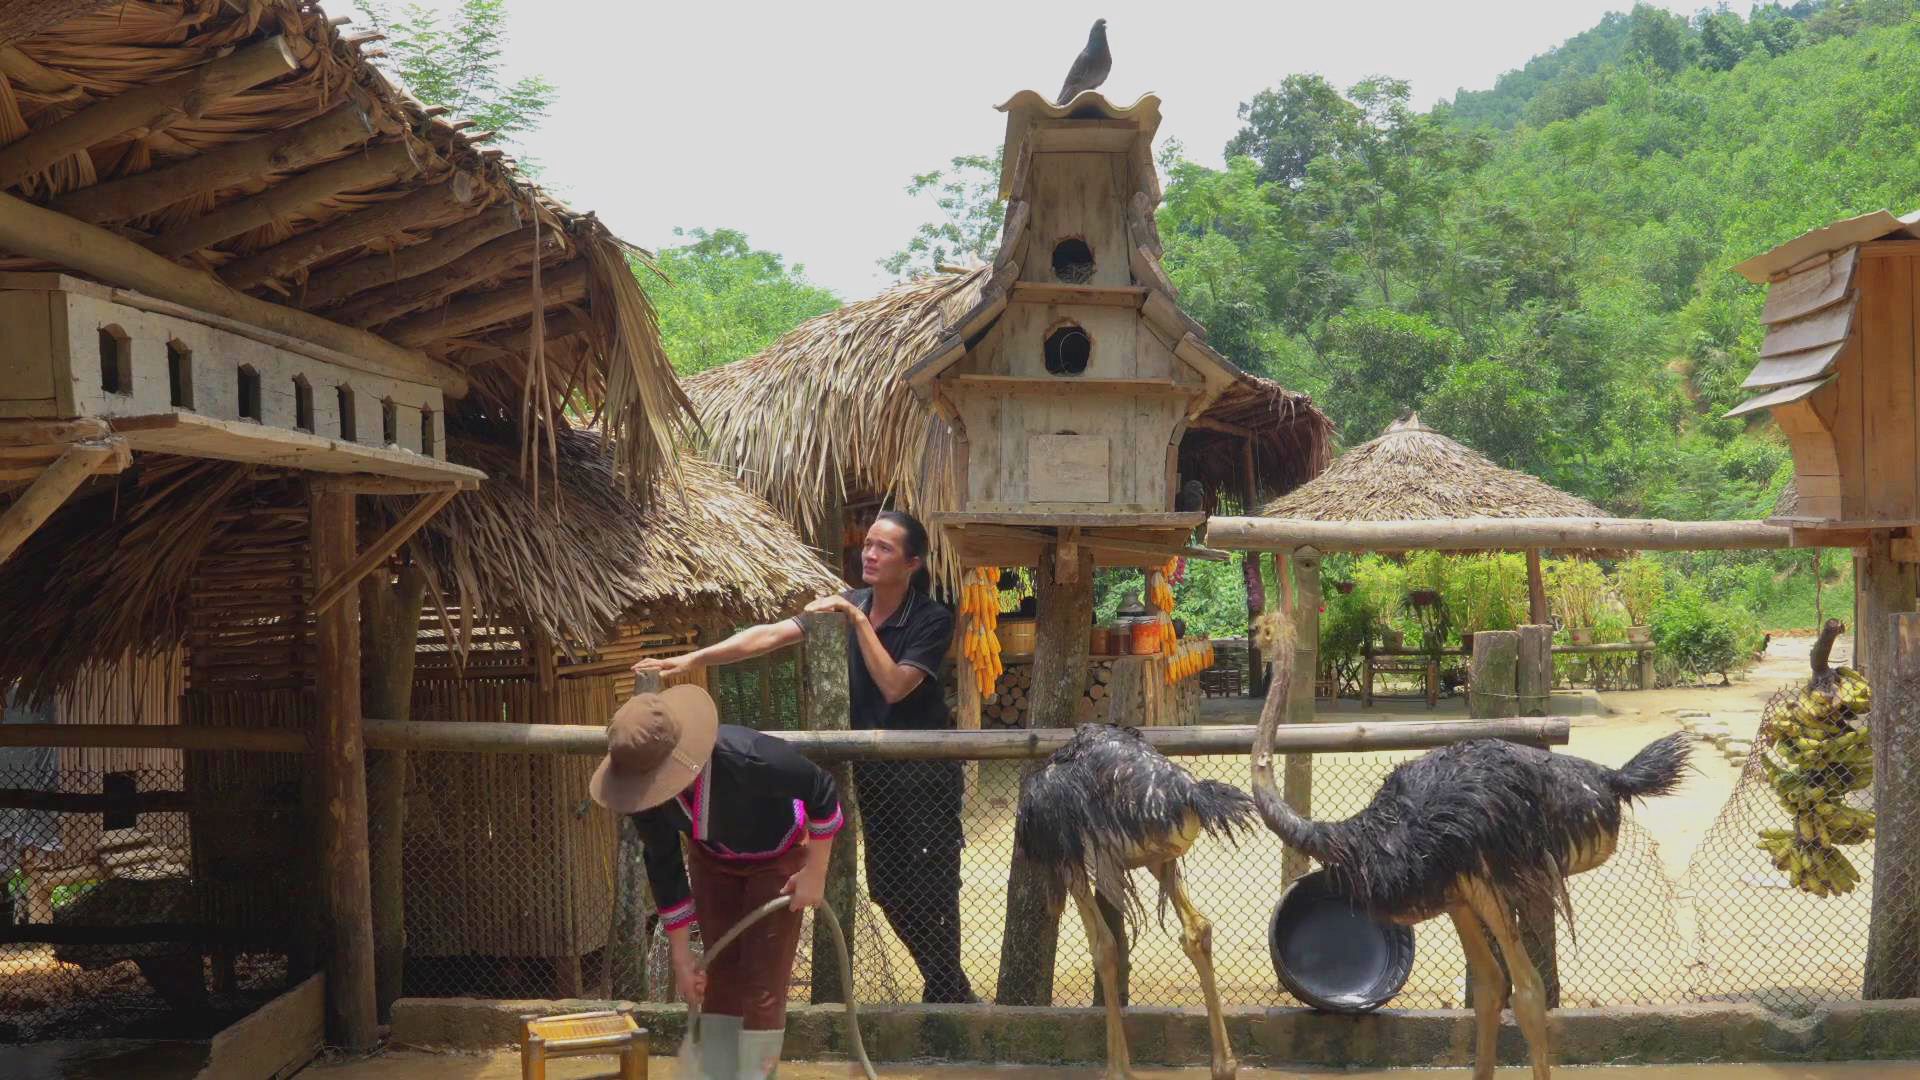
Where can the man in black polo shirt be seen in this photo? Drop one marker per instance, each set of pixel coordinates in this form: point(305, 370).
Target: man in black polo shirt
point(909, 810)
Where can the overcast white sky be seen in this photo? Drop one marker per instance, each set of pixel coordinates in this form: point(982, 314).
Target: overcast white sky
point(801, 123)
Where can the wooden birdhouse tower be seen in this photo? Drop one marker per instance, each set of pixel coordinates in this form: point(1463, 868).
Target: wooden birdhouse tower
point(1838, 368)
point(1070, 383)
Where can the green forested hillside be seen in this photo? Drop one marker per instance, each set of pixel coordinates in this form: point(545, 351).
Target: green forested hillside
point(1542, 269)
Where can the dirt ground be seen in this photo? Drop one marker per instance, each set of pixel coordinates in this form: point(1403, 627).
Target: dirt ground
point(1635, 939)
point(506, 1066)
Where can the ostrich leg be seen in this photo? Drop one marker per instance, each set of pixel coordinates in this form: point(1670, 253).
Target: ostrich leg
point(1106, 955)
point(1529, 995)
point(1490, 991)
point(1196, 937)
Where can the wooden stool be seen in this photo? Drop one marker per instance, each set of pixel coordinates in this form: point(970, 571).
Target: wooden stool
point(576, 1034)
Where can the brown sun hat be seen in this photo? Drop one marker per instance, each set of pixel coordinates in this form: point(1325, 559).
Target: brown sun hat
point(656, 745)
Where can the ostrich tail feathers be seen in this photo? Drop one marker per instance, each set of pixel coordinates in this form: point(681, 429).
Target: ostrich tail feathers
point(1224, 810)
point(1655, 770)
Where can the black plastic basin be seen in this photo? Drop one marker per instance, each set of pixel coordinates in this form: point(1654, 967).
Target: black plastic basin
point(1330, 954)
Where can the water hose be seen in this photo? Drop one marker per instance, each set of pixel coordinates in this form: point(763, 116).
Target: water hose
point(782, 903)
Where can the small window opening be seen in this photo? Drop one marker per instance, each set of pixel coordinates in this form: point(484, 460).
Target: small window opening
point(179, 375)
point(348, 429)
point(389, 422)
point(1073, 261)
point(116, 361)
point(302, 403)
point(249, 393)
point(426, 432)
point(1067, 351)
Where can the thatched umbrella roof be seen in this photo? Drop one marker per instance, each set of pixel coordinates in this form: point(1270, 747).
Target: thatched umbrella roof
point(704, 549)
point(1412, 473)
point(826, 409)
point(339, 249)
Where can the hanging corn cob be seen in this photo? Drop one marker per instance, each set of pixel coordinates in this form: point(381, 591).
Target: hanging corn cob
point(980, 606)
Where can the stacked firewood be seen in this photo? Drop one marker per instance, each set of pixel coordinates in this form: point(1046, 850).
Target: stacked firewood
point(1008, 706)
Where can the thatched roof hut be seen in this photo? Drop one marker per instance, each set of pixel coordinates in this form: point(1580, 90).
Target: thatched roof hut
point(702, 550)
point(824, 416)
point(298, 174)
point(1412, 472)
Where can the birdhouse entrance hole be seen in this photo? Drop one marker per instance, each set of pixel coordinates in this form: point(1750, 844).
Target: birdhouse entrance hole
point(116, 361)
point(1073, 261)
point(1067, 350)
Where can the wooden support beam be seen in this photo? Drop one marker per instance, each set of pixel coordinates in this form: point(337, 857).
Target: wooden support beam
point(416, 209)
point(148, 107)
point(36, 504)
point(1297, 783)
point(492, 259)
point(369, 484)
point(561, 325)
point(389, 648)
point(1533, 681)
point(325, 288)
point(1214, 740)
point(44, 432)
point(828, 707)
point(38, 233)
point(1493, 534)
point(297, 195)
point(35, 76)
point(340, 747)
point(1102, 543)
point(286, 150)
point(463, 316)
point(340, 585)
point(1536, 590)
point(1893, 963)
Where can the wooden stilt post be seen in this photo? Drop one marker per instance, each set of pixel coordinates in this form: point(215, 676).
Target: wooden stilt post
point(1889, 634)
point(1537, 612)
point(1534, 677)
point(340, 753)
point(1063, 593)
point(829, 708)
point(1494, 677)
point(1250, 572)
point(627, 933)
point(1298, 778)
point(389, 642)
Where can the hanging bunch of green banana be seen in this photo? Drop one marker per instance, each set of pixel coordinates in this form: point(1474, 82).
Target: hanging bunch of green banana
point(1818, 751)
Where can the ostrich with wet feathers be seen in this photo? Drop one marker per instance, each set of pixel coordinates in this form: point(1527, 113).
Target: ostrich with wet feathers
point(1479, 831)
point(1103, 805)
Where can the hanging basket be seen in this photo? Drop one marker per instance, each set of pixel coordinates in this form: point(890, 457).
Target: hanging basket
point(1421, 598)
point(1344, 588)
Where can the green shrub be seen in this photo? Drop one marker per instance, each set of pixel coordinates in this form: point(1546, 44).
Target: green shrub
point(1702, 637)
point(1641, 583)
point(1487, 592)
point(1380, 588)
point(1577, 590)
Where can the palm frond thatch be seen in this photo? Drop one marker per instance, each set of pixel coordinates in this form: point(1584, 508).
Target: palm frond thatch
point(708, 549)
point(76, 53)
point(1412, 472)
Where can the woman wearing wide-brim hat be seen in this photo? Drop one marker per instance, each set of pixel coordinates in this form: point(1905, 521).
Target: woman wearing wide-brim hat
point(762, 821)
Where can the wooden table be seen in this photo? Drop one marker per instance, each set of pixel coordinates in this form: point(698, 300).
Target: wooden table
point(1422, 662)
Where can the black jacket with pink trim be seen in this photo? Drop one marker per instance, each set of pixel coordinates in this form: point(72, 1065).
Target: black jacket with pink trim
point(756, 799)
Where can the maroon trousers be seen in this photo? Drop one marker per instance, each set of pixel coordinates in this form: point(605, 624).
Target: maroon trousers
point(750, 978)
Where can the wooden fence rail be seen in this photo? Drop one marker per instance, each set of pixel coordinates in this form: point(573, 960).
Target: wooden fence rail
point(490, 738)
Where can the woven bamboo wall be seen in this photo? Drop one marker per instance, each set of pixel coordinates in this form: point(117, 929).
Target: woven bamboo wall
point(250, 663)
point(134, 690)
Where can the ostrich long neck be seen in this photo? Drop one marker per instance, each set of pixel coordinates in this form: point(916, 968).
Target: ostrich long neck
point(1297, 832)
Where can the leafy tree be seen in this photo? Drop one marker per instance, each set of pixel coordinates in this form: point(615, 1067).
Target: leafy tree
point(1660, 38)
point(456, 64)
point(967, 195)
point(1289, 127)
point(1724, 39)
point(1384, 363)
point(719, 299)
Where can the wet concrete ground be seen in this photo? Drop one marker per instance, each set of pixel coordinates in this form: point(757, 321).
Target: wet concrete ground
point(506, 1066)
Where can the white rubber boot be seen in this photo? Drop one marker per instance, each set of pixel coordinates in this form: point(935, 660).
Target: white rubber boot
point(719, 1047)
point(760, 1054)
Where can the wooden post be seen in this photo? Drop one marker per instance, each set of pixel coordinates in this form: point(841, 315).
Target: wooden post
point(389, 642)
point(1893, 932)
point(1298, 778)
point(1536, 591)
point(829, 708)
point(1065, 607)
point(627, 934)
point(1495, 685)
point(49, 490)
point(340, 752)
point(1884, 587)
point(1533, 680)
point(1645, 658)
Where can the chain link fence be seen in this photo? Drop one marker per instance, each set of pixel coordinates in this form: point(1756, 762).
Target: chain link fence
point(104, 927)
point(520, 898)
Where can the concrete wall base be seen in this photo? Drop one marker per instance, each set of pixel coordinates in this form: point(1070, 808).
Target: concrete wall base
point(1631, 1035)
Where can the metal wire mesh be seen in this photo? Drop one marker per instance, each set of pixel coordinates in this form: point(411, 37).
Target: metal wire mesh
point(75, 889)
point(1762, 937)
point(519, 914)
